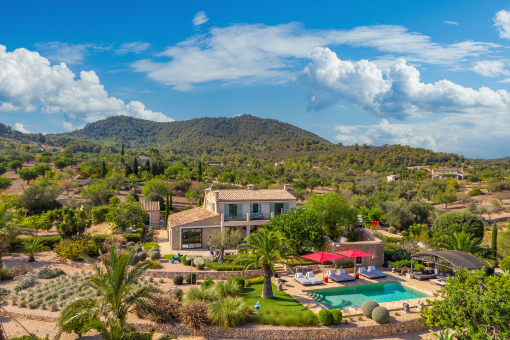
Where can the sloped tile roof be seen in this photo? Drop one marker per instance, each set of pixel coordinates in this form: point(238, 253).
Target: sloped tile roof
point(193, 216)
point(236, 195)
point(151, 206)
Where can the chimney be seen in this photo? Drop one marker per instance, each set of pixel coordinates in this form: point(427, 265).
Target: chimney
point(216, 196)
point(251, 187)
point(287, 187)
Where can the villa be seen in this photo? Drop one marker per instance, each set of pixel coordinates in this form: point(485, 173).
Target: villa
point(443, 173)
point(243, 209)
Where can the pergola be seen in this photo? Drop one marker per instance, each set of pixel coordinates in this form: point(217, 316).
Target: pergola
point(455, 258)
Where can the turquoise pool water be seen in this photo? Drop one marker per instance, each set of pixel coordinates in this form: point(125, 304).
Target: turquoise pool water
point(353, 296)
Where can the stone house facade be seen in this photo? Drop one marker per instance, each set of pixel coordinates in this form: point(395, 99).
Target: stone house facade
point(152, 208)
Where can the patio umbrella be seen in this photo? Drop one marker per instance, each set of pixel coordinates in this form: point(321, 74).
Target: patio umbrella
point(322, 256)
point(354, 253)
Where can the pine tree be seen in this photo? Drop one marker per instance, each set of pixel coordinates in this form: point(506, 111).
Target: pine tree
point(103, 169)
point(494, 243)
point(167, 210)
point(200, 171)
point(135, 166)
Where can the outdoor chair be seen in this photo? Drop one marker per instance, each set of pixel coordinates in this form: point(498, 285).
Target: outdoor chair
point(314, 280)
point(301, 279)
point(333, 276)
point(372, 269)
point(425, 275)
point(346, 276)
point(363, 272)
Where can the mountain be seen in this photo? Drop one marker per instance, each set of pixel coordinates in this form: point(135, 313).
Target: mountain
point(226, 132)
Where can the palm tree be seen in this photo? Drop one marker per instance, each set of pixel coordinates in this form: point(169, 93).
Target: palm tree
point(118, 296)
point(265, 248)
point(467, 243)
point(10, 228)
point(32, 247)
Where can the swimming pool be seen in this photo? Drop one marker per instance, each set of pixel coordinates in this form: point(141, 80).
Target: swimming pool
point(353, 296)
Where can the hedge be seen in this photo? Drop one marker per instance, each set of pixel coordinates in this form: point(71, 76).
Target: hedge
point(46, 241)
point(130, 237)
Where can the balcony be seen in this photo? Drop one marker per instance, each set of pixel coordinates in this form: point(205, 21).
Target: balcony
point(251, 219)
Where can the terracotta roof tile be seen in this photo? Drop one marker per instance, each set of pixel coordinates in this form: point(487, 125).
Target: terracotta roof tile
point(150, 206)
point(236, 195)
point(193, 215)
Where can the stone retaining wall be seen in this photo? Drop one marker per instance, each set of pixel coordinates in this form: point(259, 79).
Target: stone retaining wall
point(201, 275)
point(269, 333)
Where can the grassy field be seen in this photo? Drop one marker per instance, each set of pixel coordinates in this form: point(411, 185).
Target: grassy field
point(283, 309)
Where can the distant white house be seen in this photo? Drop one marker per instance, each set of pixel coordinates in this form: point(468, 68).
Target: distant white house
point(143, 159)
point(393, 178)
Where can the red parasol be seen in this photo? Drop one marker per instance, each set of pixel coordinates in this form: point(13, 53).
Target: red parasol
point(354, 253)
point(322, 256)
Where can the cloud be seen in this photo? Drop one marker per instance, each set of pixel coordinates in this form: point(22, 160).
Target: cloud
point(63, 52)
point(502, 21)
point(490, 68)
point(451, 23)
point(200, 18)
point(401, 95)
point(28, 82)
point(20, 128)
point(68, 126)
point(259, 53)
point(133, 47)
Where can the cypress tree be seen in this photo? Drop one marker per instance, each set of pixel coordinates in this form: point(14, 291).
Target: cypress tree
point(135, 166)
point(171, 200)
point(122, 154)
point(167, 210)
point(200, 171)
point(494, 243)
point(103, 169)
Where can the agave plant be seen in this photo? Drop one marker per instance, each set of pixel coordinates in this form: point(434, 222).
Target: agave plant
point(445, 334)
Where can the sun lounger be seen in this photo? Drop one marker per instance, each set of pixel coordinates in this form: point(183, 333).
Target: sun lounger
point(425, 275)
point(372, 269)
point(301, 279)
point(346, 276)
point(337, 278)
point(313, 279)
point(363, 272)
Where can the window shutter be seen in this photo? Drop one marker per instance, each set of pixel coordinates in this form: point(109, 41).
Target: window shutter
point(251, 208)
point(260, 209)
point(226, 211)
point(271, 208)
point(285, 208)
point(240, 211)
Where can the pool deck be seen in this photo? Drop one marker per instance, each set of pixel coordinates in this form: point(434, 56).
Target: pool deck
point(300, 292)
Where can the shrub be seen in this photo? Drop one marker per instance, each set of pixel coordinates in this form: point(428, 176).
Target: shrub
point(177, 292)
point(228, 312)
point(47, 273)
point(30, 337)
point(130, 244)
point(206, 284)
point(191, 278)
point(325, 317)
point(25, 281)
point(148, 239)
point(184, 261)
point(19, 270)
point(463, 221)
point(367, 307)
point(167, 303)
point(200, 267)
point(114, 240)
point(99, 214)
point(255, 280)
point(392, 230)
point(75, 249)
point(276, 317)
point(405, 233)
point(177, 279)
point(194, 315)
point(475, 192)
point(154, 249)
point(155, 264)
point(135, 259)
point(336, 315)
point(505, 263)
point(238, 279)
point(150, 245)
point(154, 197)
point(132, 237)
point(380, 315)
point(142, 255)
point(155, 255)
point(49, 242)
point(4, 273)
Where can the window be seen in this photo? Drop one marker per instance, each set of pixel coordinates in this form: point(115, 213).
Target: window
point(255, 208)
point(253, 229)
point(191, 238)
point(232, 211)
point(278, 208)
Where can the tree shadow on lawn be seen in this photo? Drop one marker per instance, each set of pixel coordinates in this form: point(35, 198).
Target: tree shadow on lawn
point(277, 300)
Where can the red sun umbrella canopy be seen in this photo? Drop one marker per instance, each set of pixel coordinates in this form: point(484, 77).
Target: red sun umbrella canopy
point(322, 256)
point(354, 253)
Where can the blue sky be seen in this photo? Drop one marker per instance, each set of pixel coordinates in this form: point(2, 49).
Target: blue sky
point(431, 74)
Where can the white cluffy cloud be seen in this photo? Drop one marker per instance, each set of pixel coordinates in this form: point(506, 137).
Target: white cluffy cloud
point(133, 47)
point(490, 68)
point(502, 21)
point(269, 54)
point(200, 18)
point(28, 82)
point(331, 81)
point(19, 127)
point(451, 23)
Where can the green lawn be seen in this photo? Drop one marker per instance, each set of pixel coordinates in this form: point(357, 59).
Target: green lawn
point(283, 309)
